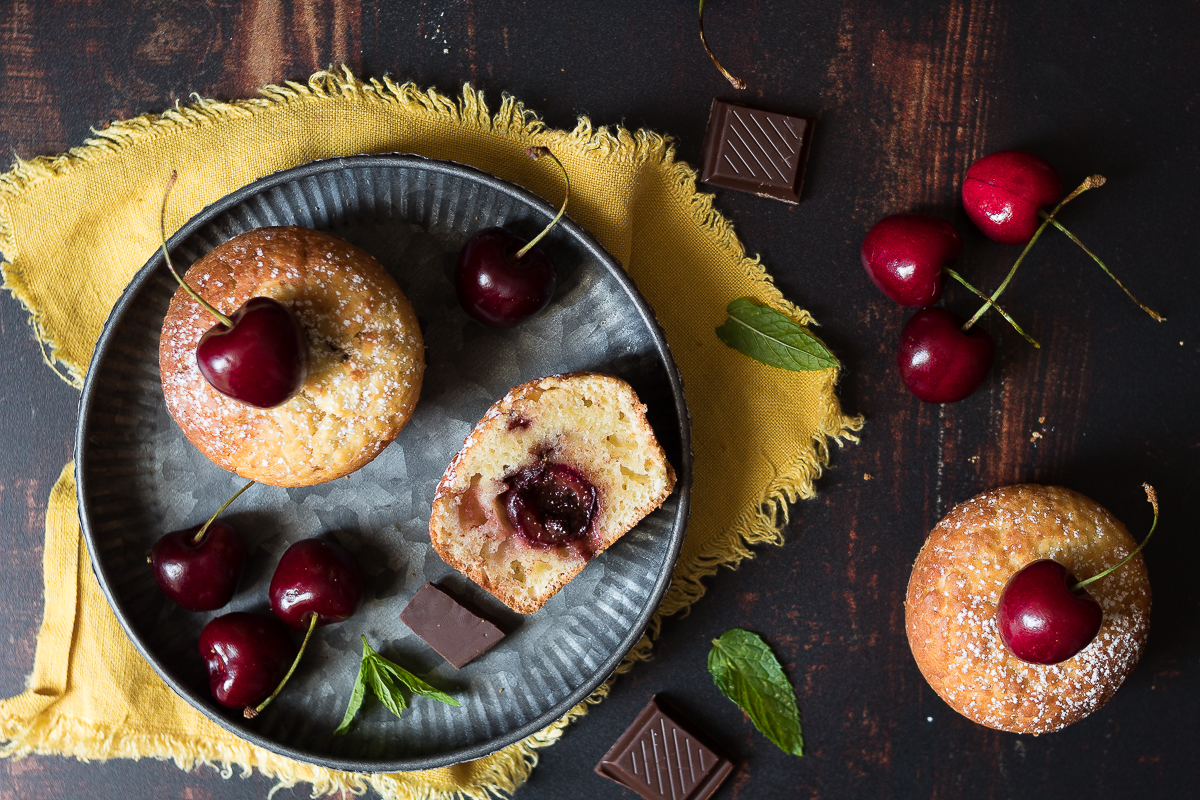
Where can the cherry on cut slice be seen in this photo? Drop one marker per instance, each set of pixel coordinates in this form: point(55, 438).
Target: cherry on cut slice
point(262, 360)
point(495, 286)
point(938, 361)
point(1004, 191)
point(246, 655)
point(315, 577)
point(1041, 620)
point(199, 575)
point(904, 255)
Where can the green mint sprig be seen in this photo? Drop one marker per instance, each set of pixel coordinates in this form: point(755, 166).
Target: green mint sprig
point(389, 682)
point(747, 672)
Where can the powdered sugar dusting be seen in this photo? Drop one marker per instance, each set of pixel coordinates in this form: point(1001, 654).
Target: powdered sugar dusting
point(366, 358)
point(956, 585)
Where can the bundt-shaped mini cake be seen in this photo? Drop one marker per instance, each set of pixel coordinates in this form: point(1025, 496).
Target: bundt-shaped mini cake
point(555, 472)
point(365, 358)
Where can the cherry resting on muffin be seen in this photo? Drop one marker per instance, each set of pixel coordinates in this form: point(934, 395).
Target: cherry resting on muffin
point(199, 567)
point(1045, 615)
point(551, 504)
point(245, 655)
point(258, 355)
point(315, 583)
point(500, 278)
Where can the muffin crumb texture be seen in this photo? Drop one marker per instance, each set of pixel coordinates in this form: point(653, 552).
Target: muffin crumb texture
point(592, 423)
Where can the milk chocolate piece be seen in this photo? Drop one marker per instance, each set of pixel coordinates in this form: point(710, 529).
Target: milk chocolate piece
point(659, 757)
point(454, 632)
point(756, 151)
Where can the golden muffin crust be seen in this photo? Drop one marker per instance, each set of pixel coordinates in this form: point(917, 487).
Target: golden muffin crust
point(366, 358)
point(593, 423)
point(950, 611)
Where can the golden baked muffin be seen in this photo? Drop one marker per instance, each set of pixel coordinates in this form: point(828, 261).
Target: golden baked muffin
point(365, 358)
point(950, 611)
point(555, 472)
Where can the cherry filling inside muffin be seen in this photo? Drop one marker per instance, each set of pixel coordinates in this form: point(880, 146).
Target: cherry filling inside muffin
point(550, 505)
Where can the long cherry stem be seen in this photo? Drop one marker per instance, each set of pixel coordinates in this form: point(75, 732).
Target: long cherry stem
point(251, 713)
point(1152, 497)
point(162, 230)
point(1092, 182)
point(1156, 316)
point(535, 153)
point(737, 83)
point(200, 533)
point(999, 310)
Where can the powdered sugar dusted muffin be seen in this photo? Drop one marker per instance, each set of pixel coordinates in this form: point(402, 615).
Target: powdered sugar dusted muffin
point(956, 583)
point(555, 472)
point(365, 358)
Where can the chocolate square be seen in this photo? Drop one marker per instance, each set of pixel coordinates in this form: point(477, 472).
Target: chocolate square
point(457, 634)
point(660, 757)
point(756, 151)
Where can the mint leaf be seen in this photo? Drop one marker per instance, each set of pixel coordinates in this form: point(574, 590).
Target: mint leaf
point(766, 335)
point(747, 672)
point(389, 682)
point(415, 684)
point(356, 698)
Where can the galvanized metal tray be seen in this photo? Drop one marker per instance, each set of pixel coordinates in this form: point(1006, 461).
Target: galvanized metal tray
point(138, 477)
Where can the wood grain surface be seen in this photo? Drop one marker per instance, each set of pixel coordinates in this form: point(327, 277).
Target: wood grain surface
point(907, 95)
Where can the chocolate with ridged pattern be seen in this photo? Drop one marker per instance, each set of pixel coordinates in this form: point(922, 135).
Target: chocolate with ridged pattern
point(756, 151)
point(659, 757)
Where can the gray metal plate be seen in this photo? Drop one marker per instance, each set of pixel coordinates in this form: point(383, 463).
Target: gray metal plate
point(138, 477)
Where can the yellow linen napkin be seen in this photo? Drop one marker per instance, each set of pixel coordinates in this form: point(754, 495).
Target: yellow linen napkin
point(75, 228)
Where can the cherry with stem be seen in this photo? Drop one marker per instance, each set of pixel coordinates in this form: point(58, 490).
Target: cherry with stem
point(1092, 182)
point(1045, 615)
point(198, 568)
point(737, 83)
point(315, 583)
point(502, 279)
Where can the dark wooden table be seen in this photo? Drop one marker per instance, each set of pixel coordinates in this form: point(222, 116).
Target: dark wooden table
point(908, 95)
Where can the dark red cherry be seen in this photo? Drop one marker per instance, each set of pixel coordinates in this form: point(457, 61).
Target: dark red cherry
point(262, 360)
point(246, 656)
point(1041, 620)
point(319, 577)
point(904, 255)
point(1004, 192)
point(550, 504)
point(199, 575)
point(497, 288)
point(938, 361)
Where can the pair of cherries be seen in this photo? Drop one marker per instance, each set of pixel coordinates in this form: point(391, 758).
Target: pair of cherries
point(248, 655)
point(941, 358)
